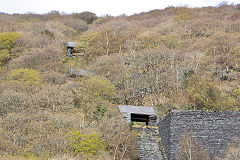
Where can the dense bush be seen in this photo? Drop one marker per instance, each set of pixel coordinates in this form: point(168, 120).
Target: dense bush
point(13, 101)
point(7, 44)
point(8, 40)
point(183, 15)
point(88, 17)
point(99, 86)
point(35, 58)
point(205, 94)
point(4, 57)
point(86, 143)
point(25, 75)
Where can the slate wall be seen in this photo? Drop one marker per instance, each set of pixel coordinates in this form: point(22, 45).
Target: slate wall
point(164, 133)
point(127, 117)
point(213, 129)
point(148, 147)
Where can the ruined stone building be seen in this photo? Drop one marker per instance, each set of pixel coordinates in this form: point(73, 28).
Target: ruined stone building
point(161, 138)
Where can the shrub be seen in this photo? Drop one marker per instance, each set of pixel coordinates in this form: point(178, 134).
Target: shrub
point(221, 43)
point(25, 75)
point(203, 93)
point(233, 27)
point(54, 77)
point(6, 147)
point(86, 143)
point(52, 98)
point(7, 43)
point(104, 42)
point(4, 57)
point(76, 62)
point(47, 32)
point(231, 152)
point(85, 43)
point(183, 15)
point(47, 59)
point(236, 95)
point(60, 31)
point(199, 28)
point(109, 41)
point(191, 149)
point(12, 101)
point(149, 41)
point(89, 17)
point(42, 134)
point(8, 40)
point(77, 24)
point(171, 41)
point(99, 86)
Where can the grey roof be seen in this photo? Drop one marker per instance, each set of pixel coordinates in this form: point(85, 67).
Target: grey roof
point(136, 109)
point(237, 69)
point(79, 72)
point(72, 44)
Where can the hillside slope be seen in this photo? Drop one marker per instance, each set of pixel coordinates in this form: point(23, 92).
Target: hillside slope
point(176, 58)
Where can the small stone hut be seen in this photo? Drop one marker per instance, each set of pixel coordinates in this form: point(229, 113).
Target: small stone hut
point(139, 114)
point(71, 50)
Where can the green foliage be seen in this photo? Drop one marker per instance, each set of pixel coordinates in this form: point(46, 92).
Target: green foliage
point(8, 40)
point(4, 141)
point(236, 50)
point(150, 41)
point(28, 155)
point(25, 75)
point(77, 62)
point(203, 93)
point(146, 56)
point(236, 96)
point(171, 41)
point(94, 97)
point(109, 41)
point(98, 86)
point(7, 43)
point(99, 111)
point(183, 15)
point(189, 73)
point(4, 57)
point(104, 42)
point(236, 93)
point(86, 44)
point(133, 123)
point(47, 32)
point(86, 143)
point(86, 40)
point(89, 17)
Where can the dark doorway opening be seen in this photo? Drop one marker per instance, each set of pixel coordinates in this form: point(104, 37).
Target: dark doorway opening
point(140, 118)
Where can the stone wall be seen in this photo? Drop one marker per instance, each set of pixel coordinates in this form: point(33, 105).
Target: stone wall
point(127, 117)
point(164, 134)
point(148, 146)
point(213, 129)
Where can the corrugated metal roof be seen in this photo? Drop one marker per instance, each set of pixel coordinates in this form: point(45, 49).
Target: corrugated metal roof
point(136, 109)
